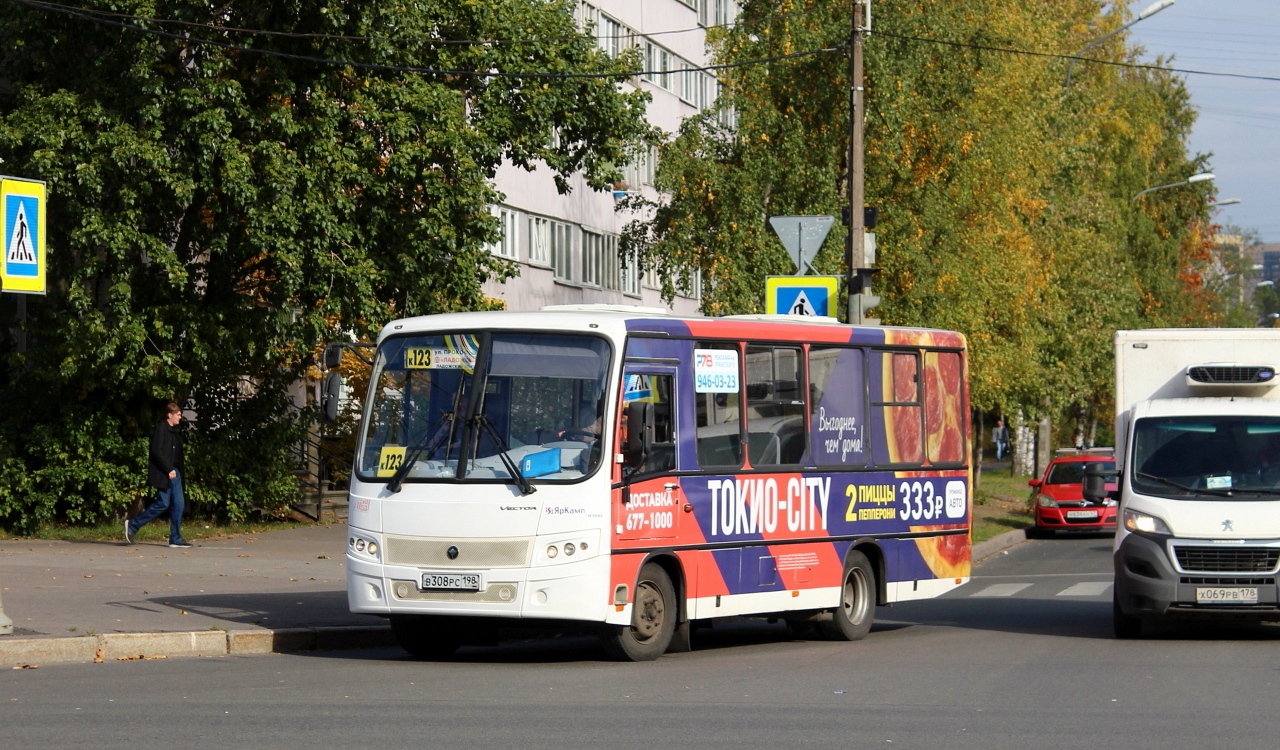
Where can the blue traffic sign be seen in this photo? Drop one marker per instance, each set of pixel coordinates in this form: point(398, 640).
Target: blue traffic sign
point(801, 295)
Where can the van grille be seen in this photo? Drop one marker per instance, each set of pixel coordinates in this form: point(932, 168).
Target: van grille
point(1230, 375)
point(1227, 560)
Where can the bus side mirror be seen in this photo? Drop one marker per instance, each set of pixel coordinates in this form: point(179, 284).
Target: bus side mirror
point(332, 356)
point(639, 432)
point(332, 395)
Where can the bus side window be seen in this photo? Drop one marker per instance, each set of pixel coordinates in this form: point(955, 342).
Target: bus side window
point(650, 431)
point(775, 407)
point(717, 418)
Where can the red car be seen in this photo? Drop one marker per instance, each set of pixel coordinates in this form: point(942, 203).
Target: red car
point(1058, 498)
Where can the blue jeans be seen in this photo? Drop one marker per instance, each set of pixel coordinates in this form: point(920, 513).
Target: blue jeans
point(169, 499)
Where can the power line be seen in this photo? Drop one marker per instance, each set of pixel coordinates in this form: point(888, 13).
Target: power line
point(1056, 56)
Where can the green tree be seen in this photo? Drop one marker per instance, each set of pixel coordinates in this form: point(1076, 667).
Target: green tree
point(224, 196)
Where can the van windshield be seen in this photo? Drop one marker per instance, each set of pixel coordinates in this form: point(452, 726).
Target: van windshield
point(1206, 457)
point(485, 407)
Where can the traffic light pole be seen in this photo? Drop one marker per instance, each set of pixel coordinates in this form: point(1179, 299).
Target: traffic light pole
point(860, 270)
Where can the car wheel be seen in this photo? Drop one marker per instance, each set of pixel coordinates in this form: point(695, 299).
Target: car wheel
point(653, 619)
point(851, 621)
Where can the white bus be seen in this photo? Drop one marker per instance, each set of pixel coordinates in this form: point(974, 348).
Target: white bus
point(639, 472)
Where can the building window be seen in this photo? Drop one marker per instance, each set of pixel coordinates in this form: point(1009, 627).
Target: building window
point(507, 245)
point(630, 276)
point(658, 65)
point(716, 12)
point(539, 241)
point(551, 244)
point(641, 169)
point(599, 260)
point(697, 88)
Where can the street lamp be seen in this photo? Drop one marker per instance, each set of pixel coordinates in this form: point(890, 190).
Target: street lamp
point(1200, 177)
point(1225, 202)
point(1147, 12)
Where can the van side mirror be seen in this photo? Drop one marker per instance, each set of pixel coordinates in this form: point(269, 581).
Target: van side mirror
point(331, 396)
point(1095, 483)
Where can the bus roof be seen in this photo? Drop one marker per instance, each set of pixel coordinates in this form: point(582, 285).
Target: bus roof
point(618, 320)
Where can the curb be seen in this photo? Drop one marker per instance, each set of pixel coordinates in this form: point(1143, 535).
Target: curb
point(983, 550)
point(31, 652)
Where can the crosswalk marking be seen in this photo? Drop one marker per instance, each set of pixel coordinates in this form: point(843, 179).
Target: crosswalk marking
point(1002, 589)
point(1086, 588)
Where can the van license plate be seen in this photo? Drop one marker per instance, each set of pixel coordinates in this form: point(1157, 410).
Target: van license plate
point(451, 581)
point(1082, 514)
point(1227, 595)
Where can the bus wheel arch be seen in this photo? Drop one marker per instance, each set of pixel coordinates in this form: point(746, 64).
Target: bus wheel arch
point(851, 618)
point(655, 613)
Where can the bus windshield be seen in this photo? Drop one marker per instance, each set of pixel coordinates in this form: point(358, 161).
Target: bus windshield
point(485, 407)
point(1207, 456)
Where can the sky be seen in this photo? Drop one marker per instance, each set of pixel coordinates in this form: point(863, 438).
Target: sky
point(1239, 119)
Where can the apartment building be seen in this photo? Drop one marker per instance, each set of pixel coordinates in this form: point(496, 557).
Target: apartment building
point(567, 245)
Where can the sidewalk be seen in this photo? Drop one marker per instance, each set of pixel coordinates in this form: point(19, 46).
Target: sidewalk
point(253, 593)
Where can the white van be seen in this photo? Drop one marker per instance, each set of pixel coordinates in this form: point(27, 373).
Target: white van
point(1198, 450)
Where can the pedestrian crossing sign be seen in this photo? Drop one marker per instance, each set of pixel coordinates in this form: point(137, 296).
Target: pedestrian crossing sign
point(801, 295)
point(22, 255)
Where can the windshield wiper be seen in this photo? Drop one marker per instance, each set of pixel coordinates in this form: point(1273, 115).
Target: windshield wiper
point(1183, 487)
point(526, 487)
point(427, 446)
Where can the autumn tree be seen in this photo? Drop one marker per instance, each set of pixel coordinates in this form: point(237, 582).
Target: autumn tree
point(1005, 200)
point(231, 184)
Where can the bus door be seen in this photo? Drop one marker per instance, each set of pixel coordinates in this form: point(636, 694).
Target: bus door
point(649, 505)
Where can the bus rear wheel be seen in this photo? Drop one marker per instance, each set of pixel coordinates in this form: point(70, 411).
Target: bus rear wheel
point(851, 621)
point(653, 619)
point(426, 637)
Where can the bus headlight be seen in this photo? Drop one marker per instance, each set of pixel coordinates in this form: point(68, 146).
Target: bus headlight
point(1143, 523)
point(362, 547)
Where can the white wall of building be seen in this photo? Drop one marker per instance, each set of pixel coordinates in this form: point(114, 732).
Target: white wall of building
point(566, 244)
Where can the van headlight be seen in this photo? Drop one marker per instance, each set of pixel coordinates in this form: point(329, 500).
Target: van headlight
point(1044, 501)
point(1144, 524)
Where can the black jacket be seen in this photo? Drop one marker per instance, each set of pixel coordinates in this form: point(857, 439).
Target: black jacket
point(165, 454)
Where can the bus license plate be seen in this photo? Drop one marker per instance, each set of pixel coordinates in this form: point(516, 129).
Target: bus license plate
point(1082, 514)
point(1227, 595)
point(451, 581)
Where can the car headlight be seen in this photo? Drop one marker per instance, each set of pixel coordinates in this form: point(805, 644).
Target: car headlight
point(1141, 522)
point(1044, 501)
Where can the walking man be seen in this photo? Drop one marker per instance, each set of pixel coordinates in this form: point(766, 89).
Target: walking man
point(1000, 435)
point(164, 472)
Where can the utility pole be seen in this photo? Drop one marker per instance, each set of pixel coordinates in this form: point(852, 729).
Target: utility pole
point(860, 270)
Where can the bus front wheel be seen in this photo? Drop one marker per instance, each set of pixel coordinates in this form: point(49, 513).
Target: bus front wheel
point(851, 621)
point(426, 637)
point(653, 619)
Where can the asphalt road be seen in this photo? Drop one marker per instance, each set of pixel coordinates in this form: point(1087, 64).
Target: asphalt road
point(1022, 657)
